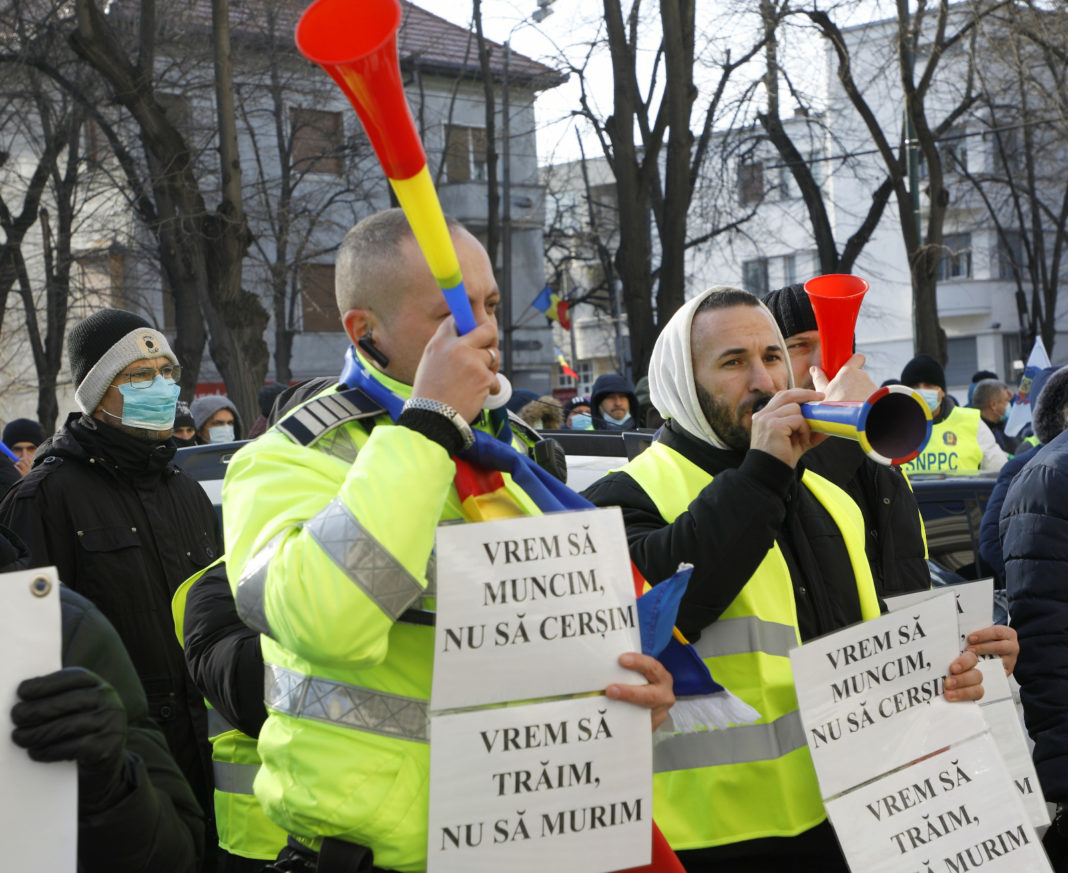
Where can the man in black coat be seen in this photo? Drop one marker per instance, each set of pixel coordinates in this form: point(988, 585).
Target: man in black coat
point(1034, 540)
point(892, 526)
point(136, 813)
point(758, 529)
point(107, 506)
point(613, 403)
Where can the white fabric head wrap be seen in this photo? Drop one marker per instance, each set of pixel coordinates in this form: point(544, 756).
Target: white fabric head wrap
point(671, 380)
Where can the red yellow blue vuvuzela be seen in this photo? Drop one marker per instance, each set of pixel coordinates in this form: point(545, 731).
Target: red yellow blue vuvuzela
point(356, 43)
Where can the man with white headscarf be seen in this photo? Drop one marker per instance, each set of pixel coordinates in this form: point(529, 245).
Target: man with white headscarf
point(779, 558)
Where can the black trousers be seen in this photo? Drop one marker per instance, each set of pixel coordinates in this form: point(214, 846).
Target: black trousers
point(336, 856)
point(814, 851)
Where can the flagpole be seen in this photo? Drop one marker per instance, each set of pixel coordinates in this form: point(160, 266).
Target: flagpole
point(571, 333)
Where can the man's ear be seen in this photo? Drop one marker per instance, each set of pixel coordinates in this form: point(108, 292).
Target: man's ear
point(358, 322)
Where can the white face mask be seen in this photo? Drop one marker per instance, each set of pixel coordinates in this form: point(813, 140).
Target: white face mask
point(221, 433)
point(930, 397)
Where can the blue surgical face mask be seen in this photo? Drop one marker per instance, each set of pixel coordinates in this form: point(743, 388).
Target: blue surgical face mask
point(151, 407)
point(930, 397)
point(221, 433)
point(581, 421)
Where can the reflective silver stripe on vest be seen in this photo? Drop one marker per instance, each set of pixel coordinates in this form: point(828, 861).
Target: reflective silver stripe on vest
point(325, 700)
point(339, 444)
point(234, 778)
point(249, 597)
point(735, 745)
point(740, 636)
point(217, 724)
point(363, 558)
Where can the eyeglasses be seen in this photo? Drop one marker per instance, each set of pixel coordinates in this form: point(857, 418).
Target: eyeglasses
point(145, 377)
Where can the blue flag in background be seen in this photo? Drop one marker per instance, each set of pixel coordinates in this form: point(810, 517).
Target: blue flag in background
point(1020, 414)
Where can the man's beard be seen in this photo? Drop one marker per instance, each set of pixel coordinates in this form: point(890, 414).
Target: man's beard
point(727, 423)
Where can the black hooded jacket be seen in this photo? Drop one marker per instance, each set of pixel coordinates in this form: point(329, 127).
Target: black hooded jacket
point(125, 527)
point(613, 383)
point(754, 502)
point(157, 827)
point(1034, 537)
point(893, 538)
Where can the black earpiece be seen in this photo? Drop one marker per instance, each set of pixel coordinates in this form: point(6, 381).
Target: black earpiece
point(367, 343)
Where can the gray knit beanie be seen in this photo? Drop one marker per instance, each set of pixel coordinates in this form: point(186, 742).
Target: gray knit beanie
point(203, 408)
point(103, 345)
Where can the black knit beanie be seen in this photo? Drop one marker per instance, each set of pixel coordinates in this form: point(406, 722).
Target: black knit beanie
point(182, 416)
point(923, 368)
point(1049, 407)
point(22, 430)
point(103, 345)
point(792, 310)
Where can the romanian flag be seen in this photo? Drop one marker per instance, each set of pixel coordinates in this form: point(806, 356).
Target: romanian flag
point(549, 302)
point(564, 368)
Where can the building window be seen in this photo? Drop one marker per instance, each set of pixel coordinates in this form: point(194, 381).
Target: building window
point(465, 153)
point(786, 182)
point(962, 359)
point(1012, 257)
point(97, 147)
point(605, 205)
point(176, 108)
point(789, 269)
point(817, 163)
point(953, 147)
point(750, 182)
point(316, 140)
point(956, 260)
point(318, 304)
point(97, 276)
point(755, 276)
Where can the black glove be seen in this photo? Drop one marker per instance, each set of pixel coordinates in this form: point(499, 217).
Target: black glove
point(74, 715)
point(1055, 840)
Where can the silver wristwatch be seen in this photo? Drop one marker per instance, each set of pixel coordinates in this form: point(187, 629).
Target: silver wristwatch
point(451, 414)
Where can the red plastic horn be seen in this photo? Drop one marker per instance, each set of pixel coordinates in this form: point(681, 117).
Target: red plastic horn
point(836, 300)
point(356, 43)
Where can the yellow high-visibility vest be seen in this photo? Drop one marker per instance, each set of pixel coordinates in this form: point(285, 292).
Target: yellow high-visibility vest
point(740, 783)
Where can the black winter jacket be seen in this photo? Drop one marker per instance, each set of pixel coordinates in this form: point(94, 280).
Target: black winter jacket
point(1034, 540)
point(157, 827)
point(125, 527)
point(223, 653)
point(989, 535)
point(754, 501)
point(893, 529)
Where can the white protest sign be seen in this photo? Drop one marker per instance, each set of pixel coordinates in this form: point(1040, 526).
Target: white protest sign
point(975, 604)
point(38, 802)
point(974, 611)
point(948, 813)
point(532, 607)
point(870, 695)
point(563, 785)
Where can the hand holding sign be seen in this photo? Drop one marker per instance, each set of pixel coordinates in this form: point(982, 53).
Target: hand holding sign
point(999, 640)
point(658, 696)
point(965, 680)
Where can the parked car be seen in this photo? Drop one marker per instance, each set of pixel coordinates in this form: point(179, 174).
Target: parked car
point(951, 506)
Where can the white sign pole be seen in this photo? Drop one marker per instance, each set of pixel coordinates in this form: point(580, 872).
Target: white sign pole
point(38, 801)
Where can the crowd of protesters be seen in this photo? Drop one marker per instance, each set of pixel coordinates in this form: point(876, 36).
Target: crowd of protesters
point(167, 632)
